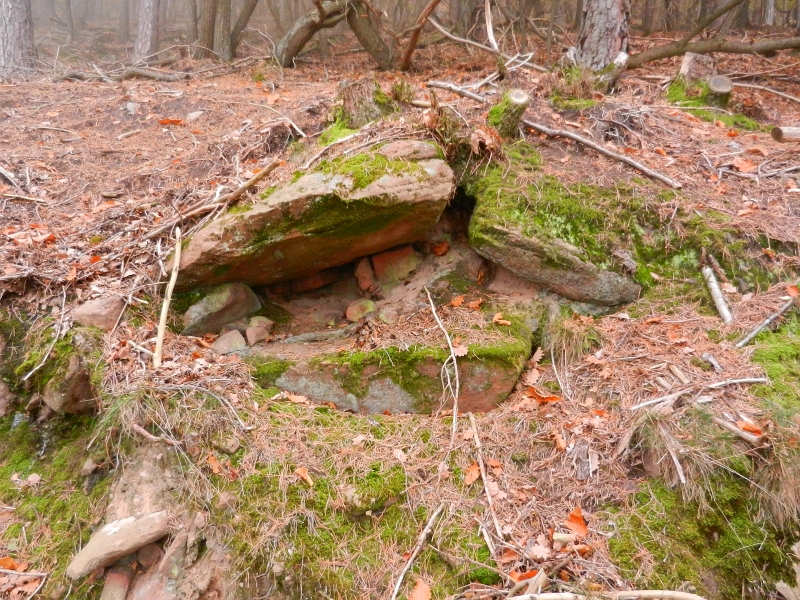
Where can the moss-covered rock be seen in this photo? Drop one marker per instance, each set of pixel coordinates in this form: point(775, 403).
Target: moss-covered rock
point(347, 208)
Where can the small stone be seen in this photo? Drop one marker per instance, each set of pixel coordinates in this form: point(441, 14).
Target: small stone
point(88, 467)
point(239, 325)
point(365, 275)
point(226, 501)
point(118, 582)
point(226, 304)
point(6, 398)
point(71, 391)
point(359, 309)
point(388, 315)
point(227, 445)
point(194, 115)
point(149, 555)
point(101, 312)
point(229, 342)
point(264, 322)
point(394, 265)
point(255, 335)
point(117, 539)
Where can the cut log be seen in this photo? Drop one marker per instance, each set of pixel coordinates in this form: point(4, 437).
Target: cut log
point(786, 134)
point(719, 90)
point(506, 114)
point(697, 67)
point(363, 101)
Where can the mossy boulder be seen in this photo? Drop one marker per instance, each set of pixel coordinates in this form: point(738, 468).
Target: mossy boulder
point(347, 208)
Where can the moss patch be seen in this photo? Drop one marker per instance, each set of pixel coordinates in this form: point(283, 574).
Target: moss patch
point(717, 550)
point(698, 95)
point(367, 168)
point(266, 372)
point(335, 132)
point(53, 520)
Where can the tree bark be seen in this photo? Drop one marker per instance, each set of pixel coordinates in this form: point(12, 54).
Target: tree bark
point(191, 10)
point(713, 45)
point(670, 15)
point(222, 30)
point(147, 36)
point(505, 115)
point(769, 13)
point(205, 27)
point(69, 20)
point(360, 21)
point(304, 29)
point(648, 10)
point(405, 65)
point(604, 33)
point(124, 26)
point(17, 48)
point(241, 23)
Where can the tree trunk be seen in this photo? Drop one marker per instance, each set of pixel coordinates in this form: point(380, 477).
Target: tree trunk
point(578, 15)
point(742, 16)
point(147, 36)
point(222, 30)
point(241, 23)
point(191, 9)
point(304, 29)
point(671, 15)
point(363, 101)
point(69, 20)
point(769, 13)
point(648, 10)
point(205, 27)
point(505, 115)
point(368, 35)
point(17, 48)
point(604, 33)
point(123, 31)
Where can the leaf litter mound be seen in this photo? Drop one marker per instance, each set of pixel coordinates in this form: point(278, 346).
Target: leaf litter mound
point(95, 167)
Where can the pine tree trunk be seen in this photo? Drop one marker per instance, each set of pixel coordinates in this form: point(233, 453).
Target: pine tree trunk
point(69, 20)
point(205, 27)
point(241, 23)
point(123, 31)
point(769, 13)
point(17, 48)
point(222, 30)
point(147, 36)
point(191, 7)
point(648, 11)
point(604, 33)
point(670, 15)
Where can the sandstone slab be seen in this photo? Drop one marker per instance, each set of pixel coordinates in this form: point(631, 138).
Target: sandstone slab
point(116, 540)
point(347, 209)
point(118, 582)
point(221, 306)
point(359, 309)
point(394, 265)
point(101, 312)
point(228, 342)
point(70, 390)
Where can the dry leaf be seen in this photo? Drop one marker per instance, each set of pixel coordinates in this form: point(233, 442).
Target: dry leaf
point(744, 212)
point(561, 444)
point(302, 473)
point(499, 320)
point(539, 552)
point(170, 121)
point(457, 301)
point(399, 455)
point(508, 556)
point(575, 523)
point(421, 591)
point(660, 151)
point(743, 165)
point(460, 350)
point(531, 377)
point(297, 398)
point(758, 150)
point(441, 248)
point(749, 427)
point(213, 463)
point(792, 290)
point(6, 562)
point(467, 435)
point(537, 356)
point(532, 392)
point(472, 474)
point(475, 304)
point(522, 575)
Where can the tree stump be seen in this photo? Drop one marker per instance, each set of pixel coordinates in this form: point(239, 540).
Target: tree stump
point(505, 115)
point(697, 67)
point(786, 134)
point(719, 90)
point(363, 101)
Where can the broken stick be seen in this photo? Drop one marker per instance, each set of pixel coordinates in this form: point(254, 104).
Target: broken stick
point(498, 530)
point(423, 536)
point(565, 134)
point(766, 323)
point(162, 322)
point(716, 294)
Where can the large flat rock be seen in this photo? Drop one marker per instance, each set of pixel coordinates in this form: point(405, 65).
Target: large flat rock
point(346, 209)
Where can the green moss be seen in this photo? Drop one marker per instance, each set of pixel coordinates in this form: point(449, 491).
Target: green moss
point(717, 550)
point(402, 91)
point(335, 132)
point(697, 95)
point(258, 76)
point(268, 192)
point(274, 312)
point(96, 239)
point(779, 353)
point(240, 208)
point(576, 104)
point(266, 372)
point(54, 519)
point(367, 168)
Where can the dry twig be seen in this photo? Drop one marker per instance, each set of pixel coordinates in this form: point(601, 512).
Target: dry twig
point(162, 322)
point(423, 536)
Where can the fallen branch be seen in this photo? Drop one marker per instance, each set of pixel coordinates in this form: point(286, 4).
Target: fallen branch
point(203, 207)
point(764, 88)
point(162, 322)
point(24, 198)
point(785, 134)
point(155, 438)
point(565, 134)
point(8, 175)
point(497, 528)
point(755, 440)
point(671, 443)
point(23, 574)
point(673, 397)
point(139, 348)
point(668, 398)
point(767, 322)
point(727, 382)
point(709, 46)
point(716, 294)
point(626, 595)
point(423, 536)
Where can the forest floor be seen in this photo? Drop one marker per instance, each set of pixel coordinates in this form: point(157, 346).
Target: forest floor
point(95, 166)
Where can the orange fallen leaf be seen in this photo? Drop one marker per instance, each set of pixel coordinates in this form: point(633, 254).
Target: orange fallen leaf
point(170, 121)
point(499, 320)
point(421, 591)
point(508, 556)
point(213, 463)
point(532, 392)
point(441, 248)
point(302, 473)
point(744, 212)
point(732, 133)
point(460, 350)
point(561, 444)
point(575, 523)
point(743, 165)
point(472, 474)
point(660, 151)
point(457, 301)
point(584, 549)
point(522, 575)
point(793, 291)
point(749, 427)
point(475, 304)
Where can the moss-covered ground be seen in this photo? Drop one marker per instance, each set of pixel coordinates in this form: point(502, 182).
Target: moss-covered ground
point(697, 97)
point(54, 518)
